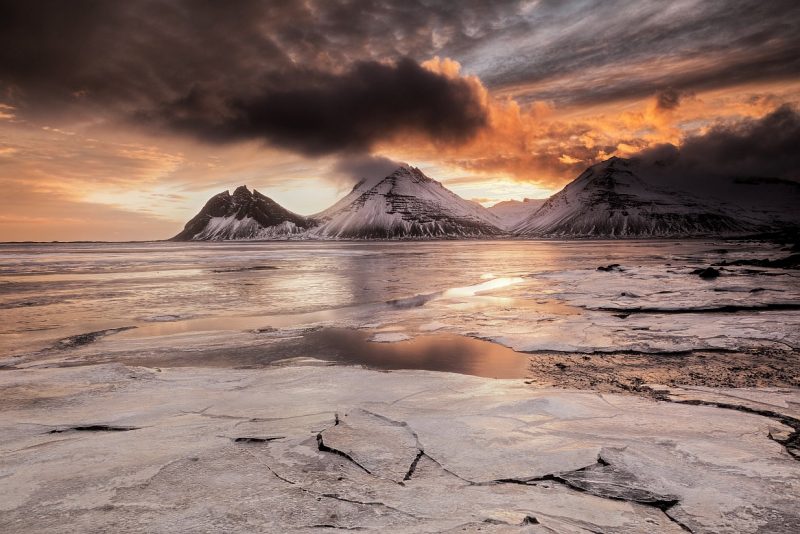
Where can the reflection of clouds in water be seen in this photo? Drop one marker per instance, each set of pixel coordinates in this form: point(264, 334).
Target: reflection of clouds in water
point(438, 352)
point(532, 295)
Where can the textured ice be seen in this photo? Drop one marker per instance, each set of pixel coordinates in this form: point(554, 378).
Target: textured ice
point(309, 448)
point(248, 443)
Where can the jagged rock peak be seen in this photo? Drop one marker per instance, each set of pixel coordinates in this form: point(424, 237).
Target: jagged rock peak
point(243, 215)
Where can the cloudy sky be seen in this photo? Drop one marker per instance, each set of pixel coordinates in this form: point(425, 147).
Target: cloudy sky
point(119, 119)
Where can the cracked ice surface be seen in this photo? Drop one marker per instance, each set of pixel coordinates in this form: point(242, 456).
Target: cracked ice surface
point(407, 451)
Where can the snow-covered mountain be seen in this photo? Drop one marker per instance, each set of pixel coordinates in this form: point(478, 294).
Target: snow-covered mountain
point(512, 212)
point(405, 204)
point(243, 215)
point(610, 199)
point(615, 198)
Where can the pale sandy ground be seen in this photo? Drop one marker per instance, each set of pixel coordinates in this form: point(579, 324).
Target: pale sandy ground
point(309, 447)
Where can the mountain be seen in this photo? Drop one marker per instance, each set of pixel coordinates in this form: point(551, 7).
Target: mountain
point(405, 204)
point(773, 202)
point(512, 212)
point(615, 198)
point(609, 199)
point(243, 215)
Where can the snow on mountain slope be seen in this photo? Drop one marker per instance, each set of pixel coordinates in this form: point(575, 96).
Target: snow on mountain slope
point(404, 204)
point(243, 215)
point(609, 199)
point(513, 212)
point(615, 198)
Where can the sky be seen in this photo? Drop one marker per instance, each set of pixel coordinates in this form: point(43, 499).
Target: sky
point(118, 120)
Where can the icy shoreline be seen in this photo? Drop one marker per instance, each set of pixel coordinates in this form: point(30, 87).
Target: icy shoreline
point(310, 447)
point(144, 390)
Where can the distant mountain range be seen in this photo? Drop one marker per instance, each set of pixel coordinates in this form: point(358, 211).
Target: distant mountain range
point(609, 199)
point(513, 212)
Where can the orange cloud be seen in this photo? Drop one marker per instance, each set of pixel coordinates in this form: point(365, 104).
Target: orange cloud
point(74, 174)
point(540, 144)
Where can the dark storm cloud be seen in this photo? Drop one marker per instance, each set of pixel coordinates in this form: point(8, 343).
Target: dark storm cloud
point(316, 77)
point(63, 57)
point(365, 167)
point(317, 113)
point(225, 60)
point(765, 147)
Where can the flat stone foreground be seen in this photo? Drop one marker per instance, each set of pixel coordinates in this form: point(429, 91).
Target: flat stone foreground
point(310, 448)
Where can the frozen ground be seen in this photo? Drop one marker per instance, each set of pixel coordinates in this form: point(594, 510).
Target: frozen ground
point(200, 387)
point(315, 448)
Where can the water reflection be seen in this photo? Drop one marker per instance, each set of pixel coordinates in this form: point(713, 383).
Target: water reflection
point(441, 352)
point(471, 291)
point(52, 291)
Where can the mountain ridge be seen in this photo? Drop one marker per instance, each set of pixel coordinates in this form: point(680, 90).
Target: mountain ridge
point(608, 200)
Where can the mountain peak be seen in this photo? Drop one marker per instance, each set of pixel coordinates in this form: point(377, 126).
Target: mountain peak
point(243, 215)
point(404, 204)
point(610, 199)
point(403, 170)
point(407, 172)
point(242, 192)
point(608, 175)
point(614, 163)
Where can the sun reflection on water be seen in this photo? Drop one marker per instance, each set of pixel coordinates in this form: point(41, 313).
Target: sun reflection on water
point(489, 285)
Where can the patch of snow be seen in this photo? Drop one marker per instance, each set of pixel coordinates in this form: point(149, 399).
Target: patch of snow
point(219, 228)
point(433, 326)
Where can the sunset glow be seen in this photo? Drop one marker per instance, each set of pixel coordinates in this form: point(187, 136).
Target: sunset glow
point(123, 133)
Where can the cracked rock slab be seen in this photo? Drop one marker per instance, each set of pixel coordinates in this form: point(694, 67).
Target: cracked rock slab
point(381, 447)
point(605, 480)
